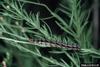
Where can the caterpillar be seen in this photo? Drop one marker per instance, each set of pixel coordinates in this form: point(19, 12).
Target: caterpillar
point(45, 43)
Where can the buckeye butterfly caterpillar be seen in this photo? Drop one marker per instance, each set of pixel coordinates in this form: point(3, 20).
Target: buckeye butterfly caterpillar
point(46, 43)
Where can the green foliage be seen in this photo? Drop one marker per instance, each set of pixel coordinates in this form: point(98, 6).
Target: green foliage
point(17, 27)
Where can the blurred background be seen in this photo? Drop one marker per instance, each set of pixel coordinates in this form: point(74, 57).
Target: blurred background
point(47, 17)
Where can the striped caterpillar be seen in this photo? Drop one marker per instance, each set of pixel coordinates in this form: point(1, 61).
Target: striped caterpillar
point(45, 43)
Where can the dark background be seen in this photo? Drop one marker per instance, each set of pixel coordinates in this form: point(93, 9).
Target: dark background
point(53, 4)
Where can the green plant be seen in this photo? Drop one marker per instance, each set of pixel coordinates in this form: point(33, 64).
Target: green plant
point(17, 27)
